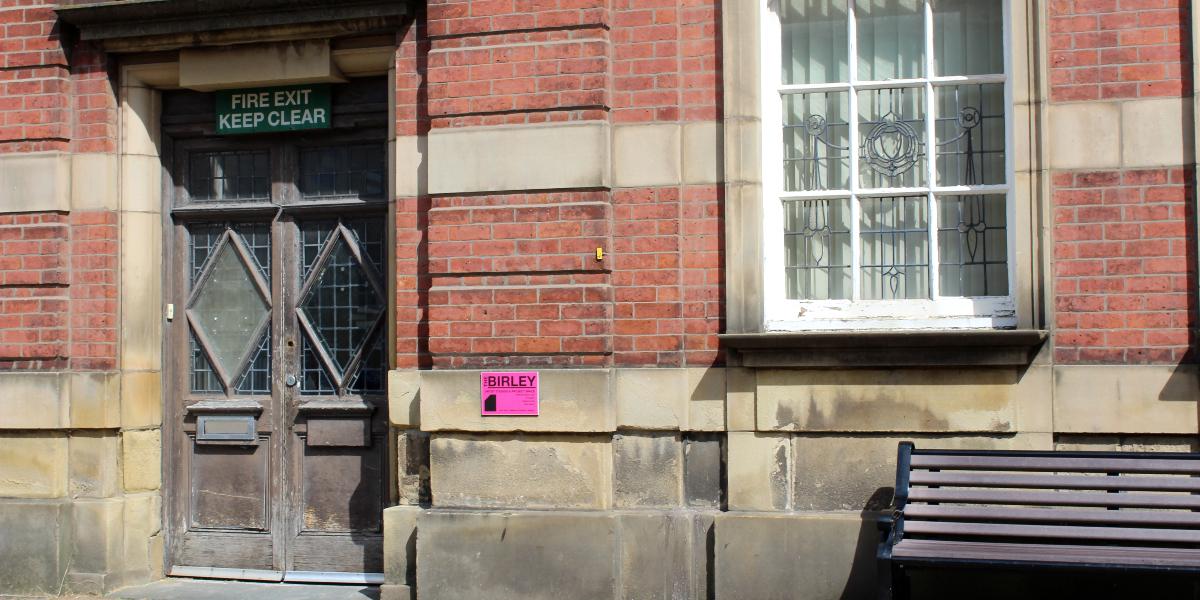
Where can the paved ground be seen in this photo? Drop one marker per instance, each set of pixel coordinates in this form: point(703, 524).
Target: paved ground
point(199, 589)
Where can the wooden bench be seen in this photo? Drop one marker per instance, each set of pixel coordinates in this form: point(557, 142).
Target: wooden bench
point(1123, 511)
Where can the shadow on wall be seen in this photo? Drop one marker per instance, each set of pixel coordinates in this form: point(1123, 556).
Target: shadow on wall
point(860, 583)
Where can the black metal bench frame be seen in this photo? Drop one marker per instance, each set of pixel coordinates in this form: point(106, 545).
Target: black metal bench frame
point(992, 526)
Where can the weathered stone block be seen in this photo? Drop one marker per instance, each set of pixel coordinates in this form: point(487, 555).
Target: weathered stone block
point(143, 535)
point(141, 399)
point(412, 463)
point(664, 555)
point(33, 536)
point(404, 398)
point(814, 556)
point(141, 460)
point(95, 400)
point(741, 392)
point(96, 526)
point(400, 544)
point(516, 556)
point(1127, 443)
point(395, 591)
point(572, 400)
point(1153, 399)
point(847, 472)
point(898, 400)
point(706, 399)
point(646, 155)
point(651, 399)
point(33, 401)
point(759, 469)
point(536, 471)
point(704, 465)
point(94, 464)
point(33, 465)
point(647, 470)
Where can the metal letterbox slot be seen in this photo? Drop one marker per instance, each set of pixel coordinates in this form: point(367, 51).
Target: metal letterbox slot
point(226, 428)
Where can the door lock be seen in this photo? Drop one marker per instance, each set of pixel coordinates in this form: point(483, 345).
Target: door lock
point(291, 381)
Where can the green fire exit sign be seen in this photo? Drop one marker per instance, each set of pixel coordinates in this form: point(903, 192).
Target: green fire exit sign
point(260, 110)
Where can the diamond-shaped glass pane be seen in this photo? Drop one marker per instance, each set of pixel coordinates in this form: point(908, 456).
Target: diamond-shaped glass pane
point(229, 309)
point(342, 305)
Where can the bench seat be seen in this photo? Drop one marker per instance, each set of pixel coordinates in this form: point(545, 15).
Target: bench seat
point(1114, 511)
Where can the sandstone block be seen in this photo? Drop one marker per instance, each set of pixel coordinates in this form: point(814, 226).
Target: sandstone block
point(33, 465)
point(542, 471)
point(141, 460)
point(647, 470)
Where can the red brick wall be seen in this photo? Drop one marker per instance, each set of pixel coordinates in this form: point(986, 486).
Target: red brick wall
point(58, 271)
point(1108, 49)
point(511, 278)
point(1124, 240)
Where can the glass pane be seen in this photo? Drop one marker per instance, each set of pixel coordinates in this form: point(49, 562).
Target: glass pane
point(372, 371)
point(229, 309)
point(230, 176)
point(817, 239)
point(895, 248)
point(891, 39)
point(814, 41)
point(204, 379)
point(892, 137)
point(204, 241)
point(816, 141)
point(343, 171)
point(970, 134)
point(313, 378)
point(973, 246)
point(370, 237)
point(257, 238)
point(257, 377)
point(342, 306)
point(313, 236)
point(968, 37)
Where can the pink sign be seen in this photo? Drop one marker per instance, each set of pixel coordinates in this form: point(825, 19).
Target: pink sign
point(508, 393)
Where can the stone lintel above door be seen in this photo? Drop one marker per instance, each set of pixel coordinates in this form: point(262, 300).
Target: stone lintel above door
point(151, 25)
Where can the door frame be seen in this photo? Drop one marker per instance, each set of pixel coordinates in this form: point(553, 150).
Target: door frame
point(174, 283)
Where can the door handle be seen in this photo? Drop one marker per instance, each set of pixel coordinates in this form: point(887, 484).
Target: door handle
point(291, 380)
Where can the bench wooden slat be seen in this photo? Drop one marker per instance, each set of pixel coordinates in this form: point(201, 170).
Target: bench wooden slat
point(1073, 482)
point(1046, 553)
point(1053, 498)
point(1066, 532)
point(1041, 463)
point(1052, 515)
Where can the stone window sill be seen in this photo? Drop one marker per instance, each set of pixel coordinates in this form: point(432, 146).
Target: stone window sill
point(863, 349)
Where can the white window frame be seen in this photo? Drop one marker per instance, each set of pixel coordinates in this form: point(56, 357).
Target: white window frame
point(783, 314)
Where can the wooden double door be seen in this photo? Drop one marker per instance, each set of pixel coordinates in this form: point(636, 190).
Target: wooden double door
point(278, 349)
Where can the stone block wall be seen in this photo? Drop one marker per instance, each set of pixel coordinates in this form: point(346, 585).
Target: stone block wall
point(79, 442)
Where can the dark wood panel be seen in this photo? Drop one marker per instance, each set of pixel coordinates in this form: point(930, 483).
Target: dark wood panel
point(358, 553)
point(1066, 482)
point(1068, 532)
point(1045, 463)
point(1046, 553)
point(230, 487)
point(1054, 498)
point(342, 488)
point(226, 550)
point(1164, 518)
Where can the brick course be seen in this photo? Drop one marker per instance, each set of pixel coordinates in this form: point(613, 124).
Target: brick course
point(1114, 49)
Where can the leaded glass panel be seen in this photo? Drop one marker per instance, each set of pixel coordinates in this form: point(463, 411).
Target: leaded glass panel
point(818, 245)
point(891, 131)
point(343, 171)
point(895, 248)
point(973, 245)
point(816, 141)
point(229, 308)
point(230, 176)
point(257, 377)
point(970, 134)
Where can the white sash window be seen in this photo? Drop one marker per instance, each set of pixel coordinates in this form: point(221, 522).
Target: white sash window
point(887, 164)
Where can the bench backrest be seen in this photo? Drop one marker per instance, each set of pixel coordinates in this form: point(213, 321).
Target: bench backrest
point(1108, 498)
